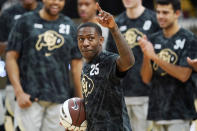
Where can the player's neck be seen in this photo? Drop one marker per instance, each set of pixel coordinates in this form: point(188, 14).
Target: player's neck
point(172, 30)
point(134, 13)
point(88, 60)
point(31, 6)
point(92, 19)
point(46, 16)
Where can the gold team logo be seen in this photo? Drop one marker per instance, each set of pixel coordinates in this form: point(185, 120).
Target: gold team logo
point(132, 36)
point(87, 85)
point(167, 55)
point(49, 39)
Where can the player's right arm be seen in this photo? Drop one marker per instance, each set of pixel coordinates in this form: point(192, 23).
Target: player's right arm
point(12, 67)
point(126, 59)
point(14, 47)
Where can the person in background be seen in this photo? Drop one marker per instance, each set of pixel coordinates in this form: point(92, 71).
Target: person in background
point(87, 11)
point(8, 19)
point(171, 100)
point(134, 23)
point(41, 46)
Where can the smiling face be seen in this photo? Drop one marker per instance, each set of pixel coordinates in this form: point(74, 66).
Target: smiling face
point(86, 9)
point(166, 15)
point(89, 42)
point(53, 7)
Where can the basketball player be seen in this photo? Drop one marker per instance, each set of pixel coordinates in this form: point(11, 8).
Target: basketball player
point(134, 23)
point(87, 12)
point(171, 102)
point(8, 19)
point(41, 46)
point(101, 74)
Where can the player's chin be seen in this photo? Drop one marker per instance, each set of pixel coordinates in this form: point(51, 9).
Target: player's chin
point(83, 16)
point(162, 26)
point(54, 12)
point(88, 54)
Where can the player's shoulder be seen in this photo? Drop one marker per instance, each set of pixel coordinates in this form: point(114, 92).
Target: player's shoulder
point(26, 18)
point(150, 14)
point(66, 19)
point(157, 34)
point(121, 17)
point(28, 15)
point(12, 9)
point(186, 33)
point(108, 56)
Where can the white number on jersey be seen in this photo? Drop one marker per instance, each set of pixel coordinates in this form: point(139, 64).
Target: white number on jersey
point(64, 29)
point(94, 70)
point(179, 44)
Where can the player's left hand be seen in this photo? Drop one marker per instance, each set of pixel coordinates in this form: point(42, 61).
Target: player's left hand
point(147, 48)
point(105, 18)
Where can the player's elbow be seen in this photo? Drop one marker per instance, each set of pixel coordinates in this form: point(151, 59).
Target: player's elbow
point(145, 80)
point(131, 61)
point(185, 75)
point(184, 78)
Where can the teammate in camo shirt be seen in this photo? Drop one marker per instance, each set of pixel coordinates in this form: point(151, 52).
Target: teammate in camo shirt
point(41, 46)
point(171, 99)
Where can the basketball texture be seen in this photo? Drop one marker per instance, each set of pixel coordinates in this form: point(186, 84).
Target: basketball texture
point(72, 114)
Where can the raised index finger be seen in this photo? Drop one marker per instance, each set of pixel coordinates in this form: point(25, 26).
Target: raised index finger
point(98, 7)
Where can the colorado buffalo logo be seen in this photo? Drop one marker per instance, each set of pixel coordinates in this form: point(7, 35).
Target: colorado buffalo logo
point(49, 39)
point(168, 56)
point(87, 85)
point(132, 36)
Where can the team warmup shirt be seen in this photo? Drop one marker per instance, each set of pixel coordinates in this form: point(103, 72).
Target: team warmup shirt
point(170, 99)
point(133, 29)
point(104, 99)
point(46, 49)
point(9, 17)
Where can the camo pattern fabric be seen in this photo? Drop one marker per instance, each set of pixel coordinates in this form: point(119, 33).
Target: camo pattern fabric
point(46, 49)
point(170, 98)
point(9, 17)
point(133, 29)
point(104, 99)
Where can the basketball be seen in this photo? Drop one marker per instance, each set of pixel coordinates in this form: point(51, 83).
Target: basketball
point(72, 114)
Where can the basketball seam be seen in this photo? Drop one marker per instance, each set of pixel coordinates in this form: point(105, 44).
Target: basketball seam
point(79, 113)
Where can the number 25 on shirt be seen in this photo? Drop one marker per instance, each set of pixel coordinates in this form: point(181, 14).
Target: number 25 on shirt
point(94, 69)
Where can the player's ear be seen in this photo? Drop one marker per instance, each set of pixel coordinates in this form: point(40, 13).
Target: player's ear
point(101, 40)
point(178, 13)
